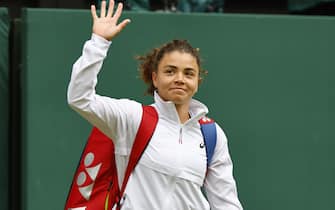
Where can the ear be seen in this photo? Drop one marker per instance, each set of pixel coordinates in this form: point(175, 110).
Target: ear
point(200, 80)
point(199, 83)
point(154, 78)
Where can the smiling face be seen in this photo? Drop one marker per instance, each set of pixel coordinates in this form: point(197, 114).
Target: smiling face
point(177, 77)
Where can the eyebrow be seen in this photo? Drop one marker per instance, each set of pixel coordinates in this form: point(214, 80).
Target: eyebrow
point(170, 66)
point(189, 69)
point(175, 67)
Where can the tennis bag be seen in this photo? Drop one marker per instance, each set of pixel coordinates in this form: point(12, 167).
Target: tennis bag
point(95, 184)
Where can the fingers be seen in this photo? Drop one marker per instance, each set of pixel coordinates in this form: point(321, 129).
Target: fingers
point(94, 12)
point(118, 11)
point(103, 8)
point(106, 25)
point(110, 8)
point(123, 24)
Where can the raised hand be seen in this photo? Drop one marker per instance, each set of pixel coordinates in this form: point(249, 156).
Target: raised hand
point(107, 24)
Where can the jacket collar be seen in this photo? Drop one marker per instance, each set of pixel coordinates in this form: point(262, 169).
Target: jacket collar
point(167, 109)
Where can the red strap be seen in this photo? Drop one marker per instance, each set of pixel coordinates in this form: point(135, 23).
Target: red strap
point(143, 136)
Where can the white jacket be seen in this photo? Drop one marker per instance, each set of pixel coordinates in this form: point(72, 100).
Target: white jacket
point(173, 167)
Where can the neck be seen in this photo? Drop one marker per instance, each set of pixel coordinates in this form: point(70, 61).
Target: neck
point(182, 110)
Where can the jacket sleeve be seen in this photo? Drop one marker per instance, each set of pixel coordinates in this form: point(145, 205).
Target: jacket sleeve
point(117, 118)
point(219, 184)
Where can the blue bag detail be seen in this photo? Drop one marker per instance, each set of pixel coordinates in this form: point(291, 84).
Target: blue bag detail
point(208, 131)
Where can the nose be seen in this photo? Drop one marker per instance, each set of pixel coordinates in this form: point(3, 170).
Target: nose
point(179, 77)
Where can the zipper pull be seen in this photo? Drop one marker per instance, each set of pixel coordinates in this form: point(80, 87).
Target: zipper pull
point(180, 135)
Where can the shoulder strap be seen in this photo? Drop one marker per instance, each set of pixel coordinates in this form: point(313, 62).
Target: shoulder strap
point(208, 130)
point(143, 136)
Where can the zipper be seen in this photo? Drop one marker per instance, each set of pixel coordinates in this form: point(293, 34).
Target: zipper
point(180, 135)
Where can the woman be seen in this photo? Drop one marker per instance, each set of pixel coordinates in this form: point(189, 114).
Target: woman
point(173, 167)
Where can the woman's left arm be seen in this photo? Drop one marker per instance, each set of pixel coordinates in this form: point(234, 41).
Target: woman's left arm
point(219, 184)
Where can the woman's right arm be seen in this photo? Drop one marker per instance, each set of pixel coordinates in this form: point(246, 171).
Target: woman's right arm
point(110, 115)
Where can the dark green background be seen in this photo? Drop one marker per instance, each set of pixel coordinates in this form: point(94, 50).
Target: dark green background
point(4, 106)
point(270, 86)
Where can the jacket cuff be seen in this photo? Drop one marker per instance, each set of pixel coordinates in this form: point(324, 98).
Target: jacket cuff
point(100, 41)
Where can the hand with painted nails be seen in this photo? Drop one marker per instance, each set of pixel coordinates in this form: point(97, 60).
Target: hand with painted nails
point(107, 25)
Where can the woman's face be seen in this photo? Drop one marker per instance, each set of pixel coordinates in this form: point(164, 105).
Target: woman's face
point(177, 77)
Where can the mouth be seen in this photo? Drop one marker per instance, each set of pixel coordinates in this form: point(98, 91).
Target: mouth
point(178, 89)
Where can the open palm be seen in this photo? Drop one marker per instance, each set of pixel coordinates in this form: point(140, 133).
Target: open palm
point(107, 24)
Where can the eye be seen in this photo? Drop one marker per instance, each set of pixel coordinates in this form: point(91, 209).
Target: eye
point(169, 71)
point(190, 73)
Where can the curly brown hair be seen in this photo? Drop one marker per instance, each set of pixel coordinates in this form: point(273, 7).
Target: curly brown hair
point(150, 61)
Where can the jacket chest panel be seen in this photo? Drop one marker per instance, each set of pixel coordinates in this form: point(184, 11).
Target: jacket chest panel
point(176, 150)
